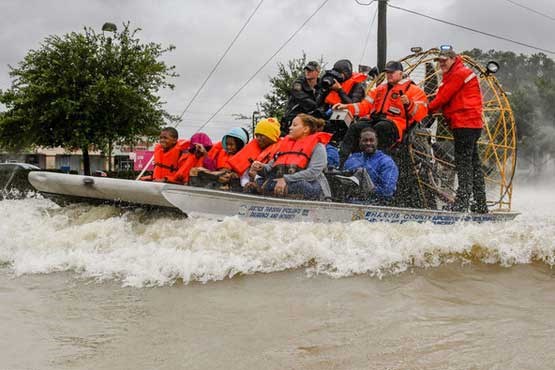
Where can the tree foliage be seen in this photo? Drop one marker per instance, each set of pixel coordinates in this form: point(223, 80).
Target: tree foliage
point(275, 101)
point(86, 89)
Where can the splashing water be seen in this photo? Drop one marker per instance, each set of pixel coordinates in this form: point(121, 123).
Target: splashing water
point(151, 249)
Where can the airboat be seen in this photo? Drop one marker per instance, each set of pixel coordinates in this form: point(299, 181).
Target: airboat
point(430, 153)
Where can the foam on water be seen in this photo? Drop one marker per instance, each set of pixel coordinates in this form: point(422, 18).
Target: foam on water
point(142, 249)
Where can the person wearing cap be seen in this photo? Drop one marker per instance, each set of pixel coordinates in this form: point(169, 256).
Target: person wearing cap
point(303, 97)
point(350, 89)
point(460, 100)
point(390, 109)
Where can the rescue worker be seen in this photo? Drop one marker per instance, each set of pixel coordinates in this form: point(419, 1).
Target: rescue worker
point(350, 90)
point(391, 107)
point(262, 149)
point(460, 100)
point(297, 168)
point(166, 155)
point(196, 155)
point(303, 96)
point(379, 166)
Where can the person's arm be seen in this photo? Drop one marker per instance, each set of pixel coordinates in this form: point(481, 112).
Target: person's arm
point(388, 174)
point(417, 108)
point(318, 162)
point(446, 92)
point(357, 93)
point(353, 162)
point(302, 98)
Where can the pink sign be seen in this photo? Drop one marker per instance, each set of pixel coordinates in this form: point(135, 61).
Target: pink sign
point(141, 159)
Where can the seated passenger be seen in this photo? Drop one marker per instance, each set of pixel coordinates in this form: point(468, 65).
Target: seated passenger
point(196, 155)
point(262, 149)
point(231, 143)
point(382, 170)
point(221, 153)
point(166, 155)
point(297, 168)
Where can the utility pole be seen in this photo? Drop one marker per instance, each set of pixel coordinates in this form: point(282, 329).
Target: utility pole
point(382, 34)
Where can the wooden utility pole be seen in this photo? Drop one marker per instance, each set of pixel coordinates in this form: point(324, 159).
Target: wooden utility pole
point(382, 34)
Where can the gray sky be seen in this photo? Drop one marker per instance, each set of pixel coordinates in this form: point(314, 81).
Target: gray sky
point(202, 29)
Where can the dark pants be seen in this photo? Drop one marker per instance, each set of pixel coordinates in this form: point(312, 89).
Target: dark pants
point(298, 189)
point(469, 171)
point(386, 132)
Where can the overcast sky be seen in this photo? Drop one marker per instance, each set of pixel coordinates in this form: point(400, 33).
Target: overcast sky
point(202, 29)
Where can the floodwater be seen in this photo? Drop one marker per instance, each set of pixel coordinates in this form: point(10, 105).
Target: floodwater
point(86, 287)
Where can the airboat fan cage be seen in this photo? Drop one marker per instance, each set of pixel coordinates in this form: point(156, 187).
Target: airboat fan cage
point(431, 146)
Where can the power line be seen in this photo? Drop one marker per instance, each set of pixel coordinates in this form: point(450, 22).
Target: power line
point(365, 46)
point(221, 59)
point(265, 64)
point(531, 10)
point(365, 4)
point(473, 29)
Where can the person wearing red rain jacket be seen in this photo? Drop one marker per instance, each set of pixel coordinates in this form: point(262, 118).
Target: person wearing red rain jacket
point(392, 107)
point(460, 100)
point(166, 155)
point(297, 168)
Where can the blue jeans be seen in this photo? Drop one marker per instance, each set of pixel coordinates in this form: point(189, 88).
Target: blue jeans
point(310, 190)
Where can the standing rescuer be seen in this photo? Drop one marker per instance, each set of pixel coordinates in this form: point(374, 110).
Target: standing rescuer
point(460, 100)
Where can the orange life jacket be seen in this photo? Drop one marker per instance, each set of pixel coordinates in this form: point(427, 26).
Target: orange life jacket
point(386, 101)
point(251, 152)
point(334, 98)
point(166, 163)
point(187, 162)
point(220, 156)
point(297, 153)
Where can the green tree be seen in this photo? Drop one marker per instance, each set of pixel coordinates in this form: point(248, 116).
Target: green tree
point(274, 102)
point(86, 90)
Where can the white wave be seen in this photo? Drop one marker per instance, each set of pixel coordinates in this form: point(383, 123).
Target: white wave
point(104, 242)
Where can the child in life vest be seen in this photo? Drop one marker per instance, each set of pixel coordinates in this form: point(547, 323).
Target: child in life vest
point(166, 155)
point(196, 155)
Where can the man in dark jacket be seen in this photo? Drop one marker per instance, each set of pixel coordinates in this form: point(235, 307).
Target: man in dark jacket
point(460, 100)
point(303, 97)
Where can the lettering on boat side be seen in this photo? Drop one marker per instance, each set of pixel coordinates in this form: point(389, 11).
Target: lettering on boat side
point(396, 217)
point(280, 213)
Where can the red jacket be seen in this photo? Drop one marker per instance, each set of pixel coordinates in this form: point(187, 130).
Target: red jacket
point(386, 100)
point(459, 97)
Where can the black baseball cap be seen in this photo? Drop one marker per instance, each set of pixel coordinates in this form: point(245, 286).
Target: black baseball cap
point(312, 66)
point(393, 66)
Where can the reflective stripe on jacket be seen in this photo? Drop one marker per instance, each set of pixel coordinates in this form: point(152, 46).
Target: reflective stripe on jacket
point(386, 100)
point(459, 97)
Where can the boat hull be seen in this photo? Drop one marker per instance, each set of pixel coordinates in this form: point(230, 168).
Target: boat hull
point(215, 203)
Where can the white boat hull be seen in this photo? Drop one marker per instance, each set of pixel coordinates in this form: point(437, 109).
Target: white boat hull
point(199, 201)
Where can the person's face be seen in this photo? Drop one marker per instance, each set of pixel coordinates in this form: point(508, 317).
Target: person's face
point(445, 64)
point(394, 76)
point(231, 145)
point(368, 142)
point(311, 75)
point(298, 129)
point(166, 140)
point(263, 141)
